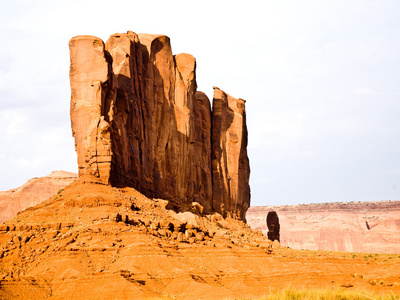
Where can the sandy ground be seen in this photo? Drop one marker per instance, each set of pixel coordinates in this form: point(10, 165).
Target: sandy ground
point(97, 242)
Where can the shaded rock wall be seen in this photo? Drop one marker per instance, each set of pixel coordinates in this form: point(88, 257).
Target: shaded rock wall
point(139, 121)
point(230, 165)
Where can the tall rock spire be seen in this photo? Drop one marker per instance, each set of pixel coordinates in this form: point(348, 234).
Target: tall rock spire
point(230, 164)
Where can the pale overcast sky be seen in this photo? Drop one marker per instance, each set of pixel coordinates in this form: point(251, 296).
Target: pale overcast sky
point(321, 79)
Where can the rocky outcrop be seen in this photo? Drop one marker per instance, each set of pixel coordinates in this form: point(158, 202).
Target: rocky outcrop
point(352, 226)
point(139, 121)
point(33, 192)
point(95, 241)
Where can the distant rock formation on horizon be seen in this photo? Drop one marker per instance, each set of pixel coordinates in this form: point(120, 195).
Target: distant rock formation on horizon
point(139, 121)
point(33, 192)
point(371, 227)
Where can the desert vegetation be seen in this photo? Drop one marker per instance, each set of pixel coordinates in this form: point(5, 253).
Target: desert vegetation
point(326, 294)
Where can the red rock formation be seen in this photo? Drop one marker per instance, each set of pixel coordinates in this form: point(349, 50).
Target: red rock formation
point(230, 164)
point(139, 121)
point(335, 226)
point(91, 90)
point(33, 192)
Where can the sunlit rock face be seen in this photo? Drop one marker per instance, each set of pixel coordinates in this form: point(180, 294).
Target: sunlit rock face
point(90, 87)
point(139, 121)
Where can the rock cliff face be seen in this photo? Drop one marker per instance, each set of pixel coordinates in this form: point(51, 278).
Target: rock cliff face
point(139, 121)
point(230, 165)
point(33, 192)
point(353, 226)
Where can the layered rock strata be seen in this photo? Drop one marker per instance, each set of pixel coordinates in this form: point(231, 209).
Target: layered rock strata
point(342, 226)
point(33, 192)
point(139, 121)
point(95, 241)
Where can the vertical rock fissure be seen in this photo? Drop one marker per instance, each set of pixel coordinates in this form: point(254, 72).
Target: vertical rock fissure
point(97, 172)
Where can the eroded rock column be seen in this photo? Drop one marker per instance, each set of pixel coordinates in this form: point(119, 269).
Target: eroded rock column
point(91, 89)
point(230, 164)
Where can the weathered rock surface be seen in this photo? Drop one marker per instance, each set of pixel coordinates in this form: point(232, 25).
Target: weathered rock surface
point(139, 121)
point(353, 226)
point(230, 165)
point(94, 241)
point(90, 87)
point(33, 192)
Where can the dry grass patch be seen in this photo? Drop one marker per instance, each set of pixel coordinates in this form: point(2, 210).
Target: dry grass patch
point(326, 294)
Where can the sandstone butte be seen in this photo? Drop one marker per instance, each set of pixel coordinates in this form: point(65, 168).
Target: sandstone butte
point(347, 226)
point(139, 121)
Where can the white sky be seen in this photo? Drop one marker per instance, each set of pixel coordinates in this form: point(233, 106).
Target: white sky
point(321, 79)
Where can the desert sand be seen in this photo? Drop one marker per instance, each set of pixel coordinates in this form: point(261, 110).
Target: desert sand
point(93, 241)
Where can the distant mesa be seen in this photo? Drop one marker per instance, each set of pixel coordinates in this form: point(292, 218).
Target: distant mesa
point(139, 121)
point(351, 227)
point(33, 192)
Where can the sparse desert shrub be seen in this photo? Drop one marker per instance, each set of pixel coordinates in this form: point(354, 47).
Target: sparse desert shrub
point(326, 294)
